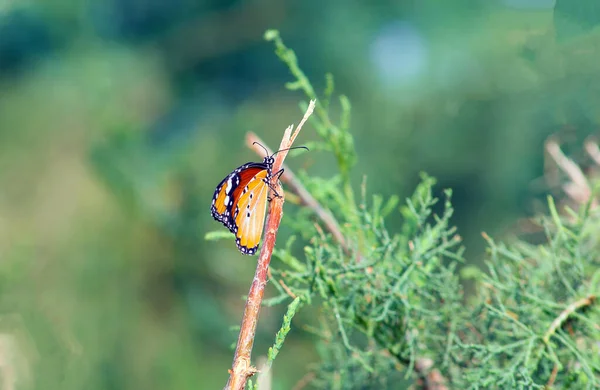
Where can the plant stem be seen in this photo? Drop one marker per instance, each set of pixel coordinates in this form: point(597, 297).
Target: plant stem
point(572, 308)
point(242, 368)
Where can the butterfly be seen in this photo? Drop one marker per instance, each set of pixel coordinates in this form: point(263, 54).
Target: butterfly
point(240, 200)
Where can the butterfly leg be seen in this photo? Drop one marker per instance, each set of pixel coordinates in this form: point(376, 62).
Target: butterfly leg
point(278, 176)
point(278, 173)
point(275, 194)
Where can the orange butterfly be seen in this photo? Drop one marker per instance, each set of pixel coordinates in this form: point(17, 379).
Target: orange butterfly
point(240, 201)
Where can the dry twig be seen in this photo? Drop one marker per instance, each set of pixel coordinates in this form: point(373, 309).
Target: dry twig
point(242, 369)
point(578, 188)
point(572, 308)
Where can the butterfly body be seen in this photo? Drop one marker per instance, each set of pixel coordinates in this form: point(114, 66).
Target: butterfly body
point(240, 202)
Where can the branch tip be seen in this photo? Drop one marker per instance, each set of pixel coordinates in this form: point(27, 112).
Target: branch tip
point(242, 370)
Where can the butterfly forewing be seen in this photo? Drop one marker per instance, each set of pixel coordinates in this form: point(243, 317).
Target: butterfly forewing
point(245, 176)
point(229, 189)
point(249, 214)
point(221, 204)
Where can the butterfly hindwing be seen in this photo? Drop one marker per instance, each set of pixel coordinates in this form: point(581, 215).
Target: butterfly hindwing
point(223, 201)
point(249, 213)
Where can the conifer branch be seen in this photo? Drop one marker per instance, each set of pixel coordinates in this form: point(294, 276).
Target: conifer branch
point(242, 368)
point(429, 377)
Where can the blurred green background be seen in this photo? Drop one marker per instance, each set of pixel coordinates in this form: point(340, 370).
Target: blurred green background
point(118, 118)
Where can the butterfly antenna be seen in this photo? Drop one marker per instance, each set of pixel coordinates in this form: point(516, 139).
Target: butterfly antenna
point(294, 147)
point(261, 145)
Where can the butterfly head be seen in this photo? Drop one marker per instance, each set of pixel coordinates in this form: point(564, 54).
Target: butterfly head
point(269, 160)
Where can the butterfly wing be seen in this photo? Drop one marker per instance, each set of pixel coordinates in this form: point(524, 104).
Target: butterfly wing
point(228, 191)
point(249, 215)
point(221, 203)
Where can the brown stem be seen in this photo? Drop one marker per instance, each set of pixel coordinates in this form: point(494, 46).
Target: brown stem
point(552, 378)
point(242, 369)
point(562, 317)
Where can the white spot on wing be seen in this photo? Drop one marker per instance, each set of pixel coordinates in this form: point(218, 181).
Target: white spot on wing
point(229, 185)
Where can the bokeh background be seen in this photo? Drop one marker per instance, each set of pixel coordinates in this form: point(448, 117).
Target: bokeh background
point(119, 117)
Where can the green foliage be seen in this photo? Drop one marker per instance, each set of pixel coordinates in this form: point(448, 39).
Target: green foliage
point(535, 311)
point(379, 302)
point(387, 300)
point(335, 136)
point(285, 329)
